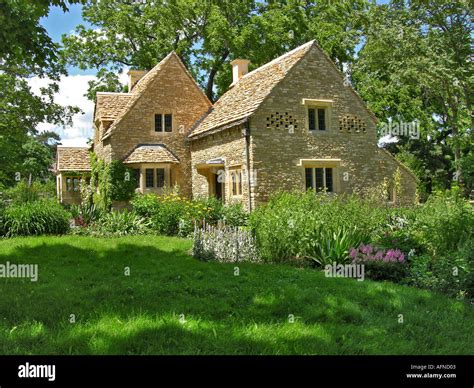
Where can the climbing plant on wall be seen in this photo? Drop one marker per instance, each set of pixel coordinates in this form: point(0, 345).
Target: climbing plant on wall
point(110, 182)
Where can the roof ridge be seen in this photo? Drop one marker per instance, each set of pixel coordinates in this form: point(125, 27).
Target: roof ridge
point(250, 101)
point(283, 56)
point(115, 93)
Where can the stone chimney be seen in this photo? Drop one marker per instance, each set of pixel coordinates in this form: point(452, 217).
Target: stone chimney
point(240, 67)
point(133, 77)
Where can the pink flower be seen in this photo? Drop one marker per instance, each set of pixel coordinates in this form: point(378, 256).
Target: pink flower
point(353, 253)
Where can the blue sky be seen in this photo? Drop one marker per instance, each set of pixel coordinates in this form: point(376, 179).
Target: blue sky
point(58, 23)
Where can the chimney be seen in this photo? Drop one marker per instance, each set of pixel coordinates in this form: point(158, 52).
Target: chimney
point(133, 77)
point(240, 67)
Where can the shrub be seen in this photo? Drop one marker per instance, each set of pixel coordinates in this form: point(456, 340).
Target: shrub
point(234, 215)
point(22, 192)
point(166, 220)
point(224, 244)
point(380, 264)
point(397, 233)
point(145, 205)
point(452, 274)
point(35, 218)
point(316, 226)
point(85, 213)
point(122, 223)
point(443, 223)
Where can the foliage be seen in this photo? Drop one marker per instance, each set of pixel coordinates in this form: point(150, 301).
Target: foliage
point(110, 182)
point(316, 226)
point(145, 205)
point(234, 215)
point(172, 214)
point(415, 63)
point(224, 244)
point(23, 192)
point(35, 218)
point(24, 42)
point(207, 34)
point(120, 223)
point(85, 214)
point(443, 223)
point(452, 274)
point(21, 111)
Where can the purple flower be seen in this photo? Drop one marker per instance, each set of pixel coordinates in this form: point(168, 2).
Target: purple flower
point(353, 253)
point(378, 255)
point(366, 249)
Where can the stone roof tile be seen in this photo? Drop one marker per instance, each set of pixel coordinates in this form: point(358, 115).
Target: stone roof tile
point(249, 92)
point(151, 153)
point(73, 159)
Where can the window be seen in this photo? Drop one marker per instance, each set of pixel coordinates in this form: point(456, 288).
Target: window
point(160, 177)
point(163, 122)
point(158, 123)
point(236, 178)
point(168, 123)
point(312, 119)
point(137, 177)
point(319, 179)
point(73, 184)
point(321, 119)
point(149, 178)
point(317, 119)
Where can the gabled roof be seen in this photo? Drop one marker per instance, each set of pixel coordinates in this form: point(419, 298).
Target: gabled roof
point(142, 85)
point(243, 99)
point(73, 159)
point(110, 106)
point(151, 153)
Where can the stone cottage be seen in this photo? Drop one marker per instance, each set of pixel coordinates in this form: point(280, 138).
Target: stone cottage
point(293, 123)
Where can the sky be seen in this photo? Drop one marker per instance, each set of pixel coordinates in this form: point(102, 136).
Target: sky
point(73, 87)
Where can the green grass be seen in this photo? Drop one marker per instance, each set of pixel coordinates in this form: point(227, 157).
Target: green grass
point(224, 314)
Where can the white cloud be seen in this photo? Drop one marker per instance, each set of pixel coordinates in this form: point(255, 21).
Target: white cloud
point(72, 89)
point(71, 92)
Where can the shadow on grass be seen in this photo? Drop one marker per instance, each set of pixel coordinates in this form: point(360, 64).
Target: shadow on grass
point(172, 304)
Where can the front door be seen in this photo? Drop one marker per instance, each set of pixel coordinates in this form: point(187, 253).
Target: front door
point(218, 186)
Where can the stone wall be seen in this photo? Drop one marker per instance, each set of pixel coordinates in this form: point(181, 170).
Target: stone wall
point(277, 153)
point(172, 91)
point(228, 145)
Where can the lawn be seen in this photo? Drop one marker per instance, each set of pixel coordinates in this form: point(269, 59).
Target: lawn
point(174, 304)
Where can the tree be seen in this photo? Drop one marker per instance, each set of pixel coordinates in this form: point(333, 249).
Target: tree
point(416, 64)
point(208, 34)
point(25, 46)
point(26, 50)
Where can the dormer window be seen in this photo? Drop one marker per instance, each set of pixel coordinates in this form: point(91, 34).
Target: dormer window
point(163, 122)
